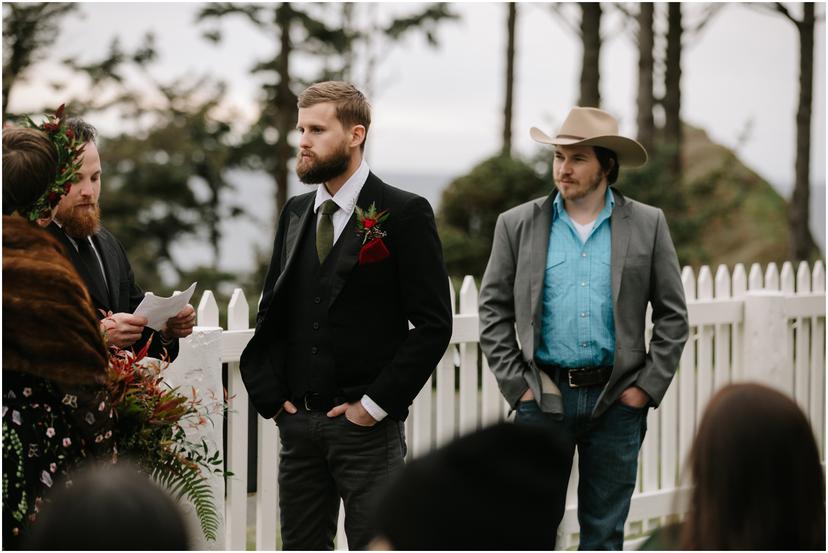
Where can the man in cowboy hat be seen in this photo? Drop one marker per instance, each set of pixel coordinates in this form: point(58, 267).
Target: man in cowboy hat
point(562, 314)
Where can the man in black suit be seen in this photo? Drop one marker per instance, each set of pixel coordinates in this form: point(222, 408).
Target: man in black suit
point(333, 359)
point(103, 264)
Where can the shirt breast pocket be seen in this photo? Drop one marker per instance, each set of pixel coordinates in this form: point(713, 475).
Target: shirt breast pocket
point(556, 272)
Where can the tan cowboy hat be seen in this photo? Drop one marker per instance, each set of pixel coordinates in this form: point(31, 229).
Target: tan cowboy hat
point(594, 127)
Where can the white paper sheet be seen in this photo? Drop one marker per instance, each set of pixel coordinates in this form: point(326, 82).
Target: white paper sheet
point(157, 309)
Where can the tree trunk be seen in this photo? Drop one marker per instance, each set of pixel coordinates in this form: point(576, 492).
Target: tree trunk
point(672, 86)
point(646, 100)
point(802, 243)
point(590, 70)
point(510, 80)
point(285, 105)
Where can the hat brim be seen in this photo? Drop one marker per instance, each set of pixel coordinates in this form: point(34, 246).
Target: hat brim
point(630, 153)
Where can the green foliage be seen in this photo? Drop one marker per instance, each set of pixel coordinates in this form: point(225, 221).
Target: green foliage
point(471, 204)
point(167, 183)
point(655, 185)
point(29, 29)
point(151, 432)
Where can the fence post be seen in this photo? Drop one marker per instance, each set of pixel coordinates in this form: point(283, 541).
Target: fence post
point(195, 369)
point(766, 327)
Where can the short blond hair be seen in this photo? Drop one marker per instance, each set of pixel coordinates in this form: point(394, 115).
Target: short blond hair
point(351, 106)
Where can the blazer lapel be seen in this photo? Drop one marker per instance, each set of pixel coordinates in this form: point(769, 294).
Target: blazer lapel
point(351, 242)
point(620, 224)
point(113, 282)
point(297, 226)
point(539, 246)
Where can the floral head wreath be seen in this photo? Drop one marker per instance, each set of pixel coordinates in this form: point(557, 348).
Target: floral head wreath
point(69, 150)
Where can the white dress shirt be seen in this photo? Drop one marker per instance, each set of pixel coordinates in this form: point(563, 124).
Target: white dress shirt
point(346, 198)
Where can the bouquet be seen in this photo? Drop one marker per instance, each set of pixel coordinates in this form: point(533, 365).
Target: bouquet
point(152, 419)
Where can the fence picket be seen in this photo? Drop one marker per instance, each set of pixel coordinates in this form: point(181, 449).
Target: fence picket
point(772, 277)
point(469, 414)
point(819, 278)
point(817, 411)
point(802, 343)
point(788, 278)
point(723, 369)
point(445, 397)
point(207, 313)
point(704, 360)
point(755, 278)
point(739, 287)
point(687, 377)
point(421, 413)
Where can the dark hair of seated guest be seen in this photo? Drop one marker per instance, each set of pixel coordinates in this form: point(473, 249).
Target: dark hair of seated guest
point(758, 482)
point(111, 507)
point(501, 488)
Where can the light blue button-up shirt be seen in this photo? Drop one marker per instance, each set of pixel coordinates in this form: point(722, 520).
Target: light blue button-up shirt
point(577, 328)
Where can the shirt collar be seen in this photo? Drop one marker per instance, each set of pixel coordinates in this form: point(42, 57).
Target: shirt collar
point(346, 196)
point(609, 204)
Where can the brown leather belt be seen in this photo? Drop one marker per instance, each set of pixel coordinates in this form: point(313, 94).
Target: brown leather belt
point(579, 377)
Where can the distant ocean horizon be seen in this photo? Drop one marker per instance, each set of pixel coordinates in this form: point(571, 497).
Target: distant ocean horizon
point(255, 191)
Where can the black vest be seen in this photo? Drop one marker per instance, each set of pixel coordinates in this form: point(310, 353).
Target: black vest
point(310, 356)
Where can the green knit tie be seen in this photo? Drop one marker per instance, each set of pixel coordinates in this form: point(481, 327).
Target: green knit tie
point(325, 231)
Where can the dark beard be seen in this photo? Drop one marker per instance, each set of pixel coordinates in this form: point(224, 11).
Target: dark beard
point(80, 226)
point(323, 170)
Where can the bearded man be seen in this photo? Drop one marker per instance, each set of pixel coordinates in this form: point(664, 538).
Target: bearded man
point(102, 262)
point(562, 315)
point(333, 359)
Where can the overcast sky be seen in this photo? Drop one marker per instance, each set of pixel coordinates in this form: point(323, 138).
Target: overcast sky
point(439, 110)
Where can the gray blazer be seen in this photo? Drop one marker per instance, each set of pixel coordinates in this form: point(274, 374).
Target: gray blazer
point(644, 269)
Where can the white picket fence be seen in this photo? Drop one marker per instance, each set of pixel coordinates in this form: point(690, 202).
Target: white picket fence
point(763, 326)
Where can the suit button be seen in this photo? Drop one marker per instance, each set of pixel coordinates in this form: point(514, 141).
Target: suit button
point(317, 299)
point(314, 350)
point(316, 326)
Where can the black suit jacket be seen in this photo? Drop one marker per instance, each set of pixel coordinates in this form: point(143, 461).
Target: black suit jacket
point(124, 293)
point(374, 350)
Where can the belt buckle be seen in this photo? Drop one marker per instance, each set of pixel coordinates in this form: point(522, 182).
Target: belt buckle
point(569, 378)
point(307, 407)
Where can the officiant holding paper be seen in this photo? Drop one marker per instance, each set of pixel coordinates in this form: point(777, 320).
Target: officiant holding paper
point(103, 264)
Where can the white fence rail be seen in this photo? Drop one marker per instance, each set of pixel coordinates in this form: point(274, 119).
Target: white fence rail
point(766, 325)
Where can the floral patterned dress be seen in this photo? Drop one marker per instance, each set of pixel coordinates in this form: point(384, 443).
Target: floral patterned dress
point(49, 428)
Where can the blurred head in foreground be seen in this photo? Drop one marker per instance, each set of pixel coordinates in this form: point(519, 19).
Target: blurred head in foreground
point(757, 475)
point(499, 488)
point(111, 507)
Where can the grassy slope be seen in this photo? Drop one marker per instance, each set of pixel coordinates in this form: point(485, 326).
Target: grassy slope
point(755, 229)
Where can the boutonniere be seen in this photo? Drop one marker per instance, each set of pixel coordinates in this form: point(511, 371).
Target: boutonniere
point(368, 227)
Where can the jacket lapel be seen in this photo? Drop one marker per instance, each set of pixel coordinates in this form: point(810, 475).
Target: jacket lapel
point(620, 224)
point(113, 282)
point(297, 226)
point(541, 221)
point(351, 242)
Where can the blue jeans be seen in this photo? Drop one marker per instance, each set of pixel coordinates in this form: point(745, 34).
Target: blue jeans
point(608, 460)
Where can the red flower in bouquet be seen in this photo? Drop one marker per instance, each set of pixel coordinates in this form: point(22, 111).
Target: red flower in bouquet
point(368, 226)
point(152, 418)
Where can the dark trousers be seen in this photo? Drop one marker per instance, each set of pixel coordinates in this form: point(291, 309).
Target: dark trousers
point(608, 460)
point(324, 459)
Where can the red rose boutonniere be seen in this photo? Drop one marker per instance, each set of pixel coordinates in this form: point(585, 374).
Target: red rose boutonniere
point(368, 226)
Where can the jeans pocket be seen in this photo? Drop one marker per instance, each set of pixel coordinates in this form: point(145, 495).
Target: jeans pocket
point(349, 423)
point(528, 412)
